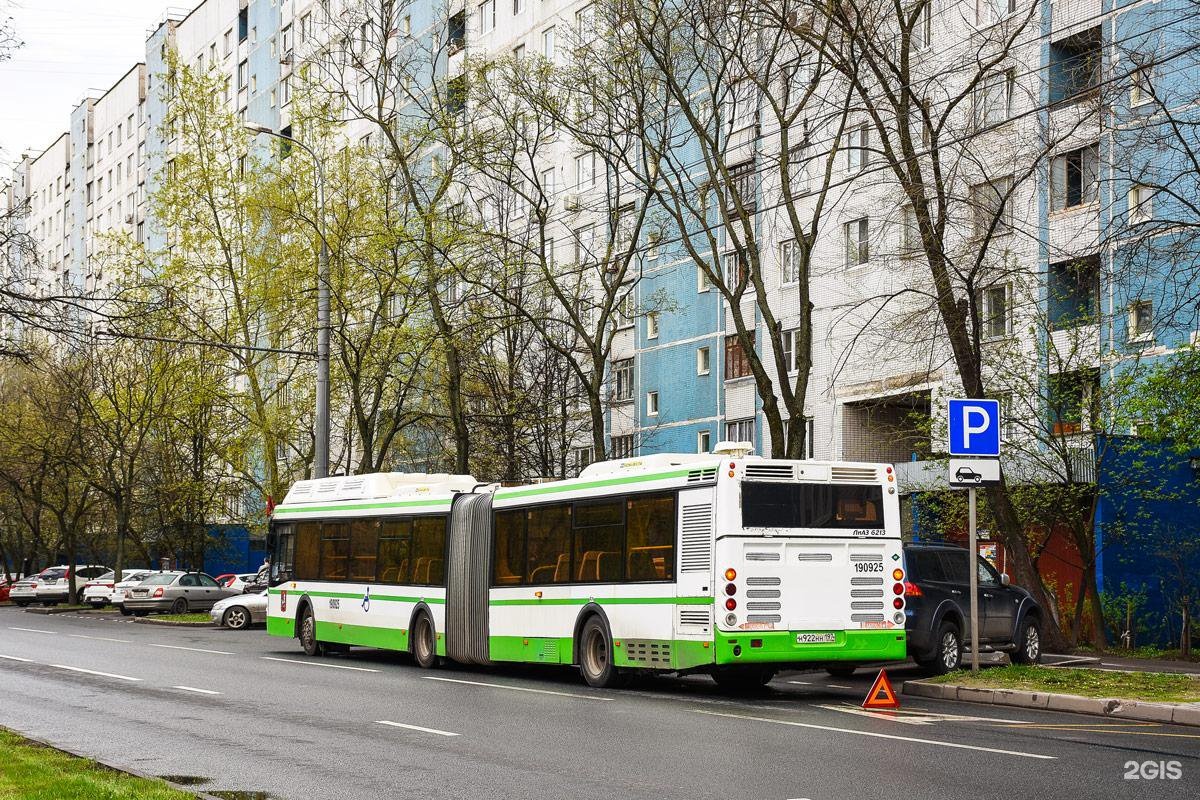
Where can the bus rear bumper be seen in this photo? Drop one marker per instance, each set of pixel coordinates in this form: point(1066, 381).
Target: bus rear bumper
point(786, 647)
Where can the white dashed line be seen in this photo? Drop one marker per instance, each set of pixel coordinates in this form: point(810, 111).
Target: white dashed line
point(194, 689)
point(415, 728)
point(29, 630)
point(317, 664)
point(192, 649)
point(516, 688)
point(838, 686)
point(99, 638)
point(94, 672)
point(872, 734)
point(801, 683)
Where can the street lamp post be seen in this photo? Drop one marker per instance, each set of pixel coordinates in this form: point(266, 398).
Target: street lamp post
point(321, 432)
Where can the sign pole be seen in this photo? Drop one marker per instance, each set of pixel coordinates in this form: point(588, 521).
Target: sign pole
point(973, 570)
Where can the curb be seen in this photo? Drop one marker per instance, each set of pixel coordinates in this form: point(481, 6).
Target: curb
point(135, 773)
point(53, 610)
point(171, 623)
point(1174, 713)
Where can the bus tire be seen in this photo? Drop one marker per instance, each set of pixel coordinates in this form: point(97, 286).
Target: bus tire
point(424, 642)
point(596, 655)
point(743, 679)
point(308, 634)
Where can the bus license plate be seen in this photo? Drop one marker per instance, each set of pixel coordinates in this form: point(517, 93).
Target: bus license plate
point(816, 638)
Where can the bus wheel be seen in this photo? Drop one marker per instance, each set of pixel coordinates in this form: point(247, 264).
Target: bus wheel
point(595, 655)
point(308, 634)
point(424, 643)
point(743, 679)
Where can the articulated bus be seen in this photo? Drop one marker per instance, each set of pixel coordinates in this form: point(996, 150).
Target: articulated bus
point(728, 564)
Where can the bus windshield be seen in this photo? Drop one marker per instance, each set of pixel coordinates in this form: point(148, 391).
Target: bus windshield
point(811, 505)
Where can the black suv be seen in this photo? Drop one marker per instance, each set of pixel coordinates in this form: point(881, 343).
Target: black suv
point(938, 607)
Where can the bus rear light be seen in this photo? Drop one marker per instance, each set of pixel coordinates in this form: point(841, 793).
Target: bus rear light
point(898, 588)
point(889, 470)
point(898, 602)
point(912, 590)
point(731, 473)
point(730, 574)
point(730, 604)
point(732, 465)
point(897, 574)
point(730, 589)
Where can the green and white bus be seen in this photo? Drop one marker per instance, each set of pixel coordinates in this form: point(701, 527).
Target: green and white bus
point(728, 564)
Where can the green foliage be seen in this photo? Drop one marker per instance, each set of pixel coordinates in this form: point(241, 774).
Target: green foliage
point(1166, 401)
point(1151, 686)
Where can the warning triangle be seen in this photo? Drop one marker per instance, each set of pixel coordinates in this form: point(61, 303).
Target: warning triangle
point(882, 695)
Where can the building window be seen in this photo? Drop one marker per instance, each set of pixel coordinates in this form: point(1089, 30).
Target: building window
point(737, 361)
point(581, 457)
point(910, 233)
point(744, 97)
point(519, 52)
point(652, 325)
point(1140, 90)
point(1074, 178)
point(1071, 401)
point(791, 349)
point(585, 170)
point(789, 261)
point(703, 361)
point(994, 98)
point(922, 32)
point(622, 380)
point(1141, 204)
point(228, 41)
point(548, 42)
point(810, 435)
point(622, 446)
point(585, 23)
point(518, 6)
point(997, 314)
point(1073, 292)
point(1075, 65)
point(989, 12)
point(991, 208)
point(744, 188)
point(487, 16)
point(1141, 320)
point(651, 404)
point(740, 430)
point(703, 283)
point(858, 154)
point(243, 24)
point(734, 270)
point(704, 441)
point(858, 250)
point(243, 72)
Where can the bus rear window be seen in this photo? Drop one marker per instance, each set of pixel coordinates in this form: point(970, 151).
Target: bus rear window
point(811, 505)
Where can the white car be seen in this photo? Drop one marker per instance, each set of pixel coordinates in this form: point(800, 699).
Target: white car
point(99, 593)
point(129, 579)
point(57, 588)
point(240, 611)
point(24, 591)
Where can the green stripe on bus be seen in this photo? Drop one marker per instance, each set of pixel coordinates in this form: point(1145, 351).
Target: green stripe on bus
point(604, 601)
point(508, 494)
point(359, 596)
point(359, 506)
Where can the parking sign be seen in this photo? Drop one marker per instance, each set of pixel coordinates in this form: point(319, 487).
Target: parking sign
point(975, 428)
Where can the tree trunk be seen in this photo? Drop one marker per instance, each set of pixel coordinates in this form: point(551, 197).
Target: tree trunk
point(1097, 611)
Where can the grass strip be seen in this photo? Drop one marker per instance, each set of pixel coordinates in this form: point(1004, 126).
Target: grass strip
point(195, 617)
point(1154, 687)
point(31, 771)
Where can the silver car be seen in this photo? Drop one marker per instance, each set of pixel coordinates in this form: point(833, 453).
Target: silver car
point(241, 611)
point(177, 593)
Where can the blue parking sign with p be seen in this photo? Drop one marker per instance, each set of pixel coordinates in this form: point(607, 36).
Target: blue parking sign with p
point(975, 427)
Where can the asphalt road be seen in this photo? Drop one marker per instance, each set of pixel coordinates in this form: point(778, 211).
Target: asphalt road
point(248, 712)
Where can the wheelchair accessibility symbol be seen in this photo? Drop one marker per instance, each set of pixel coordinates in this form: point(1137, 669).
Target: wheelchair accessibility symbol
point(366, 601)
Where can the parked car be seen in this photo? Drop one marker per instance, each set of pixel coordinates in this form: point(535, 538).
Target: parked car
point(24, 591)
point(5, 587)
point(130, 580)
point(241, 611)
point(239, 581)
point(52, 592)
point(938, 609)
point(177, 593)
point(99, 592)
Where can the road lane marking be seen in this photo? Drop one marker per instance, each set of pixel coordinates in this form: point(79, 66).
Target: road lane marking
point(29, 630)
point(516, 688)
point(838, 686)
point(194, 689)
point(801, 683)
point(415, 728)
point(956, 745)
point(1102, 728)
point(193, 649)
point(317, 664)
point(99, 638)
point(18, 658)
point(911, 717)
point(94, 672)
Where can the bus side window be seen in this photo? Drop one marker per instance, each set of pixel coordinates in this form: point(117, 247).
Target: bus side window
point(395, 541)
point(650, 522)
point(429, 551)
point(509, 548)
point(364, 540)
point(599, 541)
point(335, 551)
point(548, 544)
point(308, 550)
